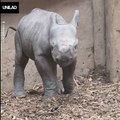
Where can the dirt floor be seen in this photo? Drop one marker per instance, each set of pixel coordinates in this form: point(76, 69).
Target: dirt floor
point(92, 100)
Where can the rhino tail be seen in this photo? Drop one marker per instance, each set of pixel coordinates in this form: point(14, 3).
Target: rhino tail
point(8, 30)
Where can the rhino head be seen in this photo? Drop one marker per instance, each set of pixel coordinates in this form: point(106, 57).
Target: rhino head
point(63, 40)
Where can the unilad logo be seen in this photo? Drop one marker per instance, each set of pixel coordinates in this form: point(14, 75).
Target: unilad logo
point(9, 7)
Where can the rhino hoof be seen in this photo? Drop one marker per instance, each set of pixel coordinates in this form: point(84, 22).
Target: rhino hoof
point(19, 94)
point(60, 87)
point(46, 98)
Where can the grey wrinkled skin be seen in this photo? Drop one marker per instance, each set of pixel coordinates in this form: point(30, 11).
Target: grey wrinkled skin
point(47, 39)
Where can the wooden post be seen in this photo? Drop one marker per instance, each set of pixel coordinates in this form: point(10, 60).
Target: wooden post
point(112, 10)
point(99, 33)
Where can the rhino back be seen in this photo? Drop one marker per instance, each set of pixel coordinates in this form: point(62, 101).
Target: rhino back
point(34, 31)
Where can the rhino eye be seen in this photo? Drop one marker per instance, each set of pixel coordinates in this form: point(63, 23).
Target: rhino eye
point(75, 47)
point(51, 47)
point(54, 47)
point(53, 44)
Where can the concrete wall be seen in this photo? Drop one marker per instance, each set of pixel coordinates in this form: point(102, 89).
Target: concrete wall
point(113, 39)
point(98, 33)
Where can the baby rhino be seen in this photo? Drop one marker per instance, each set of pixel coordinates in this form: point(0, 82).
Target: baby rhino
point(46, 38)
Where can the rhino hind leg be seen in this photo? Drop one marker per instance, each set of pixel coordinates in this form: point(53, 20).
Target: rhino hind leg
point(68, 82)
point(47, 70)
point(20, 63)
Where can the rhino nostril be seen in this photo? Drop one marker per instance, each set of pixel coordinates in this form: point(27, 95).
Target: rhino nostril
point(57, 58)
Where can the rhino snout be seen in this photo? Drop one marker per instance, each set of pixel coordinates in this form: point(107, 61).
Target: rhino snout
point(64, 49)
point(63, 55)
point(63, 60)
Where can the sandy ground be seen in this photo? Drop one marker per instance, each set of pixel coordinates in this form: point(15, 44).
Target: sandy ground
point(92, 100)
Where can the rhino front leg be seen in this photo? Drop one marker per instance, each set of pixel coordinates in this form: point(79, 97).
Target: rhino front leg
point(47, 69)
point(68, 77)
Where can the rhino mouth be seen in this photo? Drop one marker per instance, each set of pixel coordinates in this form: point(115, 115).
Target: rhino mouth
point(62, 63)
point(61, 59)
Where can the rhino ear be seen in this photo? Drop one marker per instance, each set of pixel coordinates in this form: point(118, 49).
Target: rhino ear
point(75, 18)
point(60, 20)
